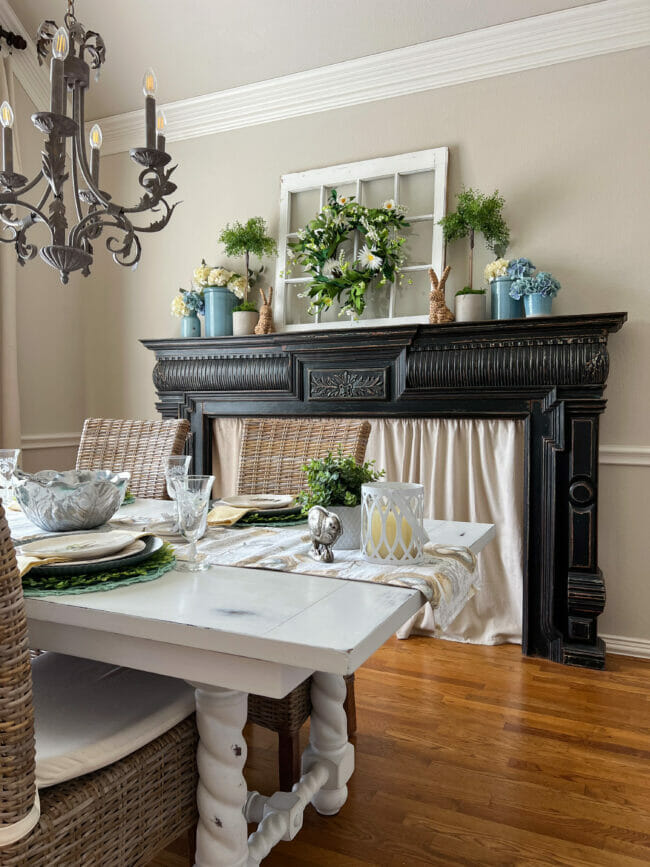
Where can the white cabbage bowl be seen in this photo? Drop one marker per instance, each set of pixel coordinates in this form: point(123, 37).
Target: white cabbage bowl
point(73, 500)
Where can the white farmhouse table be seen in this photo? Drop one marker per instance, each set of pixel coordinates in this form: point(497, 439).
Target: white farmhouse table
point(233, 631)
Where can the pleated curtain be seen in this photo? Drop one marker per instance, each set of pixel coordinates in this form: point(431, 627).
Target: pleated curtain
point(472, 470)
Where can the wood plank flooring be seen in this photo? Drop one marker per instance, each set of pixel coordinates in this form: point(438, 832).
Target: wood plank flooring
point(476, 756)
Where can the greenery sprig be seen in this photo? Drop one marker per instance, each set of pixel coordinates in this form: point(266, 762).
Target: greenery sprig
point(336, 481)
point(334, 277)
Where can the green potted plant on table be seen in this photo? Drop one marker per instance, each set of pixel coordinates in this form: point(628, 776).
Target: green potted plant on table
point(335, 482)
point(475, 213)
point(247, 239)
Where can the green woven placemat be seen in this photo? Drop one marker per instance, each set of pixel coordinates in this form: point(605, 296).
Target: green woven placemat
point(270, 521)
point(60, 585)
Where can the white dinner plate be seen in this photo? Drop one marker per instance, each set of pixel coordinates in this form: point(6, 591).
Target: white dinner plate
point(259, 501)
point(80, 546)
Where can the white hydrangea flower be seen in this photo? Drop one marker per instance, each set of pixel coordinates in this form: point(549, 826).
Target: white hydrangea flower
point(498, 268)
point(179, 307)
point(238, 286)
point(219, 277)
point(201, 275)
point(369, 259)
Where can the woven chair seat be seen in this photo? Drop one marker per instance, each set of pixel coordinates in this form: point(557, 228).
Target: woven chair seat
point(139, 447)
point(277, 714)
point(121, 815)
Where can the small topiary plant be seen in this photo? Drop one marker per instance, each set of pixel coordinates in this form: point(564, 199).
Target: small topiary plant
point(477, 213)
point(248, 239)
point(336, 481)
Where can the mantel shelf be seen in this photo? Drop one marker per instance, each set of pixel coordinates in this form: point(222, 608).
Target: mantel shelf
point(550, 371)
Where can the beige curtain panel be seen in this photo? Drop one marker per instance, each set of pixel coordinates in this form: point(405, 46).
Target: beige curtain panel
point(9, 397)
point(472, 470)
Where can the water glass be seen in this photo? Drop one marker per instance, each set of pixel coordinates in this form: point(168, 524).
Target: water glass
point(193, 498)
point(8, 464)
point(176, 467)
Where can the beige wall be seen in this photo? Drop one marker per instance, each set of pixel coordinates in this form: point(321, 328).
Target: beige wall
point(567, 147)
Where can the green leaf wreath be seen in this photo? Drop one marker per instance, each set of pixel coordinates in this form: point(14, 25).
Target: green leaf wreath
point(334, 278)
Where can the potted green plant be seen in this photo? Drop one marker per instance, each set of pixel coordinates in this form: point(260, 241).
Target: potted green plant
point(247, 239)
point(538, 292)
point(335, 482)
point(476, 213)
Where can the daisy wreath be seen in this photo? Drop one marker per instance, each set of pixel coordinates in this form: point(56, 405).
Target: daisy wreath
point(334, 278)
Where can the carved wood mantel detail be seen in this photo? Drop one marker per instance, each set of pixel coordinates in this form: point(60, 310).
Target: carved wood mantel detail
point(549, 371)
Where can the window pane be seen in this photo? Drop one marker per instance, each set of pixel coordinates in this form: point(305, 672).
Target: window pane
point(296, 308)
point(416, 192)
point(304, 207)
point(375, 192)
point(419, 238)
point(412, 297)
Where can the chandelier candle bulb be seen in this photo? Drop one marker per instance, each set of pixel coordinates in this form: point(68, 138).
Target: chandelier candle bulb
point(7, 120)
point(161, 128)
point(60, 48)
point(95, 145)
point(149, 85)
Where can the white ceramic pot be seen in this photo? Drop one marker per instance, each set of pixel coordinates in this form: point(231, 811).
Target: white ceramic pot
point(244, 322)
point(470, 308)
point(350, 517)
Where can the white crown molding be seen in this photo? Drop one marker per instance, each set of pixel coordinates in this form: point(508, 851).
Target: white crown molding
point(623, 646)
point(49, 441)
point(34, 78)
point(543, 40)
point(626, 456)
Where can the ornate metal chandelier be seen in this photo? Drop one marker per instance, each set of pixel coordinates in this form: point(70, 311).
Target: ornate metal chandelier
point(75, 51)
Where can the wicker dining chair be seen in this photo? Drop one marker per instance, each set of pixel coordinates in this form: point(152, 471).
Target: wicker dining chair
point(137, 446)
point(273, 452)
point(119, 816)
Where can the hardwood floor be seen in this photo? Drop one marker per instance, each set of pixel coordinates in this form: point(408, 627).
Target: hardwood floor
point(476, 756)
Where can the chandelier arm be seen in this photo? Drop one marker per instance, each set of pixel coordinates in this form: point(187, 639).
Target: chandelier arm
point(30, 186)
point(35, 213)
point(75, 182)
point(159, 224)
point(80, 146)
point(146, 203)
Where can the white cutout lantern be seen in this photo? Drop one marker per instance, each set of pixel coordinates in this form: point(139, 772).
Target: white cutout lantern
point(391, 522)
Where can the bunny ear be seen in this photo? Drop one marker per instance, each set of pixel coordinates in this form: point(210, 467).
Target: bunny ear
point(270, 295)
point(264, 301)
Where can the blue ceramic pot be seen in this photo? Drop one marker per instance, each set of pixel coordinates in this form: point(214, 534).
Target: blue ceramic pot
point(538, 305)
point(191, 325)
point(502, 306)
point(219, 304)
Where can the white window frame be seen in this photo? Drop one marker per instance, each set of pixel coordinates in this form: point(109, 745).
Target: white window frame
point(433, 159)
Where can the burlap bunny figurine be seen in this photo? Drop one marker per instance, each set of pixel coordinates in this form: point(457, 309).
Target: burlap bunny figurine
point(265, 322)
point(438, 310)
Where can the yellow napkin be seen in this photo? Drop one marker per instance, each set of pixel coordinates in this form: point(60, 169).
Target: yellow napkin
point(225, 516)
point(15, 506)
point(26, 562)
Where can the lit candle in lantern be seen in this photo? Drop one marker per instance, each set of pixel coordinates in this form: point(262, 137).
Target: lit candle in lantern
point(60, 49)
point(149, 85)
point(95, 144)
point(161, 127)
point(391, 527)
point(7, 120)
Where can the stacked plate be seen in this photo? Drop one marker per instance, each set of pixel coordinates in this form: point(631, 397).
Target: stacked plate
point(90, 553)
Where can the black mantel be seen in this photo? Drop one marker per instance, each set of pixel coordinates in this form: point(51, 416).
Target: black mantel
point(551, 372)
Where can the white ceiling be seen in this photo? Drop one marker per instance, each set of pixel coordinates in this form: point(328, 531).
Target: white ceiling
point(202, 46)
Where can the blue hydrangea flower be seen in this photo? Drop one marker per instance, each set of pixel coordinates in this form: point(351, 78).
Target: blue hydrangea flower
point(193, 301)
point(542, 283)
point(519, 268)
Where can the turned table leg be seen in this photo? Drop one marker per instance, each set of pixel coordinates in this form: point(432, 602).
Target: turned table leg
point(328, 741)
point(221, 837)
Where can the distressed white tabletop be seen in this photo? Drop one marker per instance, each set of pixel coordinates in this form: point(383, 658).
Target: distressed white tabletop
point(256, 630)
